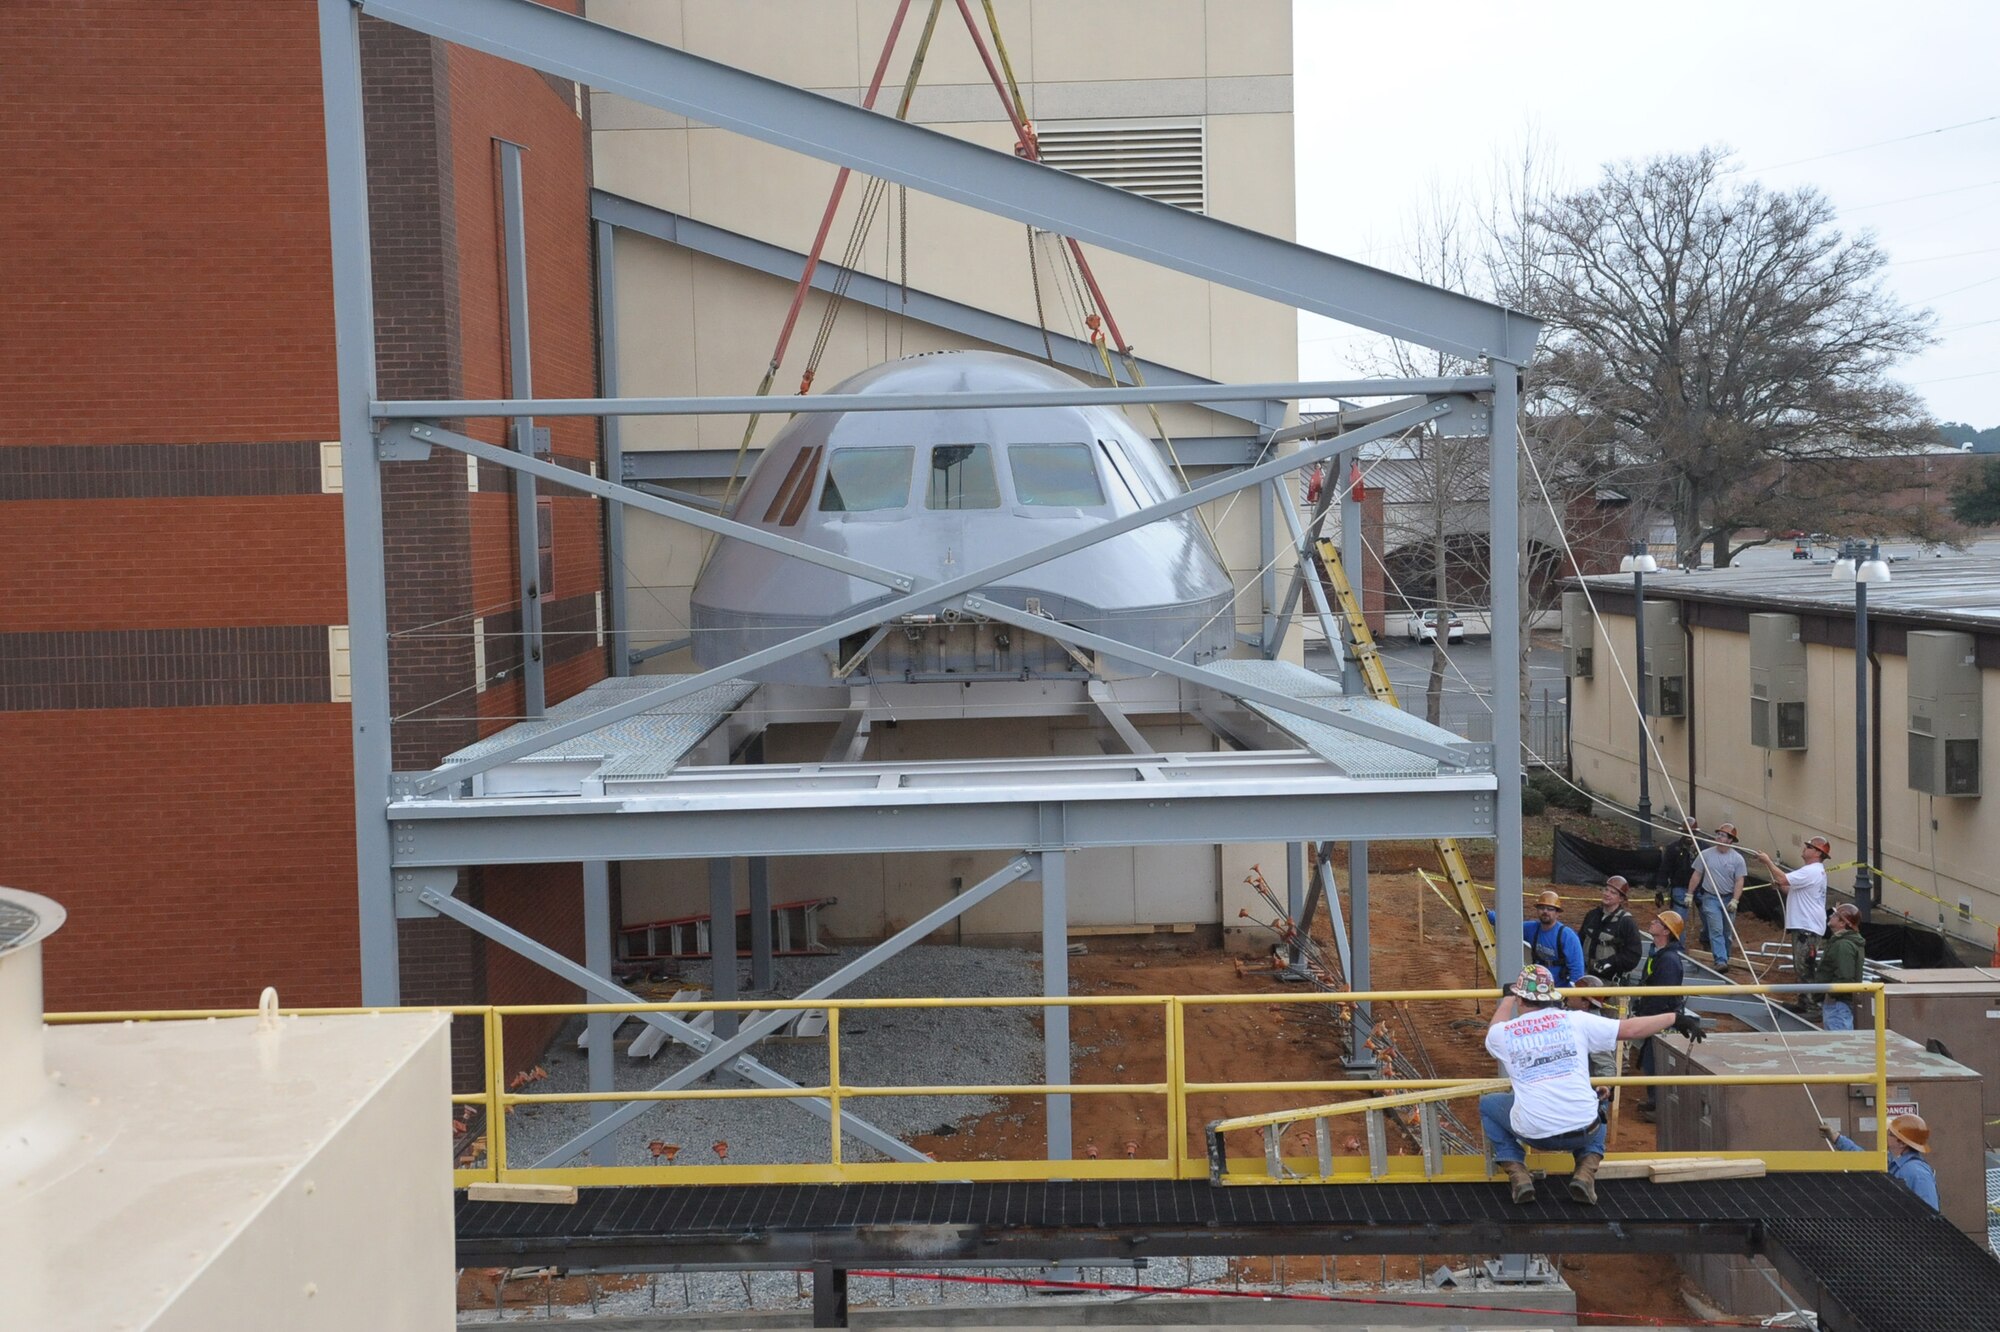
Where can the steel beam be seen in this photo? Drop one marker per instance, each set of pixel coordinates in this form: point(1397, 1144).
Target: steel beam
point(361, 495)
point(1083, 395)
point(1451, 755)
point(1267, 570)
point(616, 611)
point(534, 832)
point(681, 465)
point(425, 434)
point(935, 595)
point(1306, 575)
point(1503, 509)
point(521, 384)
point(722, 1052)
point(994, 182)
point(865, 288)
point(606, 992)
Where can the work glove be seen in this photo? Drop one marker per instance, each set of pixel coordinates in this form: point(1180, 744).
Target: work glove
point(1688, 1025)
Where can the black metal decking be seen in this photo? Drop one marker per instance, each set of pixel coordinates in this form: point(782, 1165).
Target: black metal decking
point(1864, 1252)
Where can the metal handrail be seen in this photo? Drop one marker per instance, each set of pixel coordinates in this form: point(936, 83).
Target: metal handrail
point(1176, 1088)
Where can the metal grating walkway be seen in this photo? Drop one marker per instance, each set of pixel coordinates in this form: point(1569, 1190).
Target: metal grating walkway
point(1853, 1242)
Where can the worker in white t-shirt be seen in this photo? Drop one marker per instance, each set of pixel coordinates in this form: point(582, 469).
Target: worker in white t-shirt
point(1545, 1051)
point(1805, 907)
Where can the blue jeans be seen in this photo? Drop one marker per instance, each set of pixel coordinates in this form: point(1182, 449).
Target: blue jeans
point(1677, 895)
point(1714, 925)
point(1495, 1110)
point(1837, 1014)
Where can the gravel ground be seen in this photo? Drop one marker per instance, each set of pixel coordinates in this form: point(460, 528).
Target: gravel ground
point(907, 1046)
point(709, 1292)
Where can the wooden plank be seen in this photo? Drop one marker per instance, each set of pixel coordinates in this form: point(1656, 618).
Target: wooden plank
point(1642, 1167)
point(561, 1195)
point(1686, 1172)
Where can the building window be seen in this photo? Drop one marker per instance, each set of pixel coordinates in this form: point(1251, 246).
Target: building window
point(962, 477)
point(1061, 475)
point(1161, 159)
point(864, 480)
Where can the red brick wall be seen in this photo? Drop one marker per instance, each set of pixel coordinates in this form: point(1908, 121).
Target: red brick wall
point(168, 284)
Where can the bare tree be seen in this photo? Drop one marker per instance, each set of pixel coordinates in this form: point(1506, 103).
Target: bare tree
point(1726, 331)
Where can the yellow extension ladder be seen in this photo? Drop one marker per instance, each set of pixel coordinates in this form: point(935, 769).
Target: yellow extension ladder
point(1376, 676)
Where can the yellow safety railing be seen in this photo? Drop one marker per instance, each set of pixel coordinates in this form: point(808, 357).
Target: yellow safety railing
point(1175, 1089)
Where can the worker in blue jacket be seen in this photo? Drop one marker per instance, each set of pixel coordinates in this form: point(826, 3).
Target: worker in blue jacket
point(1554, 944)
point(1909, 1143)
point(1551, 943)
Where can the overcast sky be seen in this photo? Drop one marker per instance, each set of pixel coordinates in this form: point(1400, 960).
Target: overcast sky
point(1395, 100)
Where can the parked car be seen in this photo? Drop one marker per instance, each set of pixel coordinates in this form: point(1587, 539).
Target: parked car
point(1423, 628)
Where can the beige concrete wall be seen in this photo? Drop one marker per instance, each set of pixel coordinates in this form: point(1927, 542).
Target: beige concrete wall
point(1778, 797)
point(689, 325)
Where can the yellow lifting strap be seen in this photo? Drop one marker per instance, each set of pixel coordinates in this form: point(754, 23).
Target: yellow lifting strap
point(1376, 676)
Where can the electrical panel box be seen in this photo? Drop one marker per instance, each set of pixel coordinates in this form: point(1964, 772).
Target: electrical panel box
point(1579, 635)
point(1665, 667)
point(1945, 713)
point(1777, 683)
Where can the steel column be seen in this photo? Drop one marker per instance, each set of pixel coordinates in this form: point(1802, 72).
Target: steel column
point(1295, 896)
point(722, 940)
point(925, 598)
point(607, 992)
point(521, 384)
point(1055, 984)
point(619, 626)
point(597, 955)
point(1864, 877)
point(1359, 972)
point(1267, 571)
point(1503, 509)
point(1306, 574)
point(1353, 554)
point(761, 978)
point(361, 495)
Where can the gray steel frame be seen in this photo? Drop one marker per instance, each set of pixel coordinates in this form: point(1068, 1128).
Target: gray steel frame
point(604, 58)
point(925, 307)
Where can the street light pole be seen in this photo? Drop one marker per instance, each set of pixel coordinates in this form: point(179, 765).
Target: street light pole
point(1640, 563)
point(1865, 565)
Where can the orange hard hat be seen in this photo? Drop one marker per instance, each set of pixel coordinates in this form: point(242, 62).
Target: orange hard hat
point(1549, 899)
point(1672, 922)
point(1912, 1132)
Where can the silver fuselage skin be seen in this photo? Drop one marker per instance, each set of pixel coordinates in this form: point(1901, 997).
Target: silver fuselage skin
point(939, 494)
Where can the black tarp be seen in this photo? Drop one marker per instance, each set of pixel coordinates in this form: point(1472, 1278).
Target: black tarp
point(1584, 862)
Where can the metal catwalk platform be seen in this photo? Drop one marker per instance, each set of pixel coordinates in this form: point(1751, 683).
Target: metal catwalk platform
point(1860, 1249)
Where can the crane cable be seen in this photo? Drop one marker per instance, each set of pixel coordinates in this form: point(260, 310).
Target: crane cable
point(819, 244)
point(1028, 145)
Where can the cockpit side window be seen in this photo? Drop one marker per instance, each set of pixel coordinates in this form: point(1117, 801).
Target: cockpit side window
point(1059, 475)
point(866, 480)
point(790, 500)
point(962, 477)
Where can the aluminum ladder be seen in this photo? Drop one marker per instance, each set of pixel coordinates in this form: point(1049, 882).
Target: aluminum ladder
point(1376, 676)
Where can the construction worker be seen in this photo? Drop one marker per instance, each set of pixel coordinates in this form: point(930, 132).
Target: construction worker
point(1545, 1051)
point(1676, 863)
point(1840, 964)
point(1805, 904)
point(1663, 969)
point(1610, 934)
point(1909, 1144)
point(1551, 943)
point(1716, 887)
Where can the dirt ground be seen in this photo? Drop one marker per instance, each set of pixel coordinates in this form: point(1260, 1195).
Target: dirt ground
point(1417, 944)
